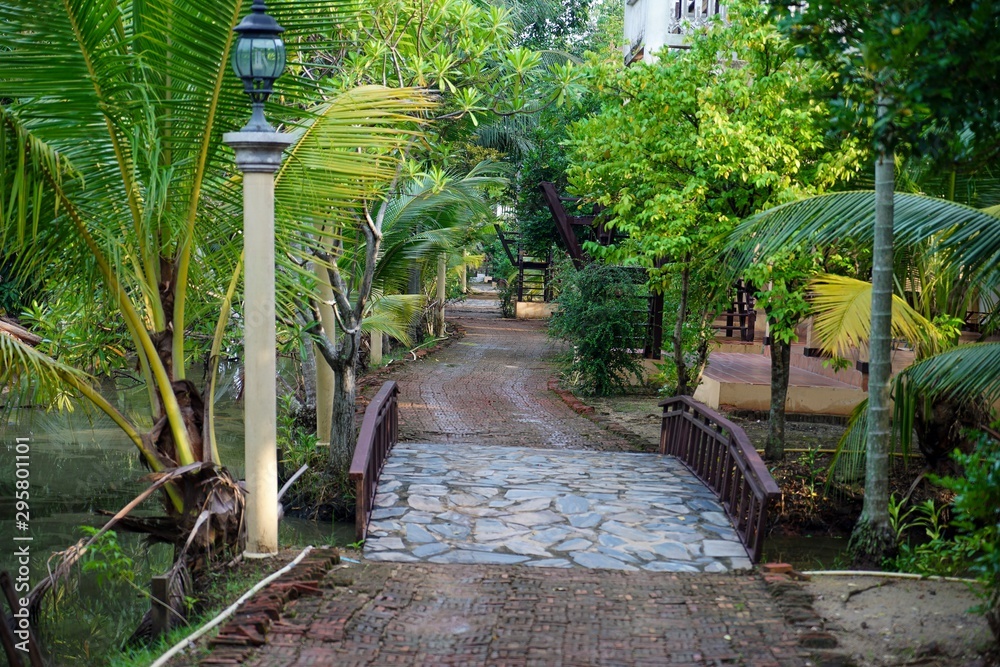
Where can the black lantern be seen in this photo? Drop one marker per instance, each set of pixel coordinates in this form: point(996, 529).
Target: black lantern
point(258, 59)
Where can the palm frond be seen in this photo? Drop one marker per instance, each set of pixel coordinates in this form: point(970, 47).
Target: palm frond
point(843, 308)
point(393, 315)
point(962, 373)
point(343, 154)
point(848, 463)
point(28, 372)
point(970, 236)
point(509, 134)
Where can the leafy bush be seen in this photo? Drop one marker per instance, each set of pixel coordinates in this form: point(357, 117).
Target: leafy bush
point(975, 510)
point(696, 334)
point(318, 494)
point(107, 558)
point(507, 296)
point(922, 534)
point(601, 314)
point(977, 515)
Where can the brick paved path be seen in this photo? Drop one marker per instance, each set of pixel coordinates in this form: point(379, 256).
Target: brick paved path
point(491, 387)
point(431, 615)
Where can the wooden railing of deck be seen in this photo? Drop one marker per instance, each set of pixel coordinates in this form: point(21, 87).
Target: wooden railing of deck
point(720, 454)
point(379, 432)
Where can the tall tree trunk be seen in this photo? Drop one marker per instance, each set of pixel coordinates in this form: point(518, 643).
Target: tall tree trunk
point(375, 358)
point(309, 373)
point(678, 337)
point(465, 274)
point(325, 378)
point(342, 426)
point(324, 371)
point(781, 355)
point(873, 540)
point(442, 278)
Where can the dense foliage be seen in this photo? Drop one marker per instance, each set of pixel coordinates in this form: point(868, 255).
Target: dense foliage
point(683, 149)
point(977, 513)
point(907, 77)
point(601, 312)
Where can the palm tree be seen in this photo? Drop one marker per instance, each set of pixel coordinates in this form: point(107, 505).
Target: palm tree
point(969, 239)
point(910, 79)
point(413, 221)
point(116, 187)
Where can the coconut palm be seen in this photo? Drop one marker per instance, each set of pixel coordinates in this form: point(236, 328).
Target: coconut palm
point(117, 190)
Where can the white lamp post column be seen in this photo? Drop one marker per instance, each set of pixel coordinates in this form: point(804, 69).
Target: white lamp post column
point(258, 155)
point(259, 59)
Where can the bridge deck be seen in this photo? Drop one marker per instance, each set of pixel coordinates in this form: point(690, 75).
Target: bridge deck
point(510, 474)
point(504, 505)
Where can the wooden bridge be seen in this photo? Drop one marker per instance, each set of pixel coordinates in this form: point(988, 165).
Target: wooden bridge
point(700, 504)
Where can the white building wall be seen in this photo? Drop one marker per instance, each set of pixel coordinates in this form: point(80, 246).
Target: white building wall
point(652, 24)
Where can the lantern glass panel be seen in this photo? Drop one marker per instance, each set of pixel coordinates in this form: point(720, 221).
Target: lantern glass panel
point(242, 63)
point(268, 58)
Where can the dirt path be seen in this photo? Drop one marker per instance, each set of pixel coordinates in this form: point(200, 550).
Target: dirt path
point(883, 622)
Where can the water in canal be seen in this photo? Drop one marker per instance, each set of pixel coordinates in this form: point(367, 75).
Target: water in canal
point(80, 463)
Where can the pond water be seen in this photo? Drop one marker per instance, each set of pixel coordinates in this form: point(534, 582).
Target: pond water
point(80, 463)
point(805, 552)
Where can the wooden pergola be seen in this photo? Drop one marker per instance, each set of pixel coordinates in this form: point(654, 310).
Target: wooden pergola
point(739, 317)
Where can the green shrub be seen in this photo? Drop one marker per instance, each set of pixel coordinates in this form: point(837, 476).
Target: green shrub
point(927, 541)
point(507, 297)
point(601, 313)
point(696, 334)
point(107, 558)
point(976, 511)
point(970, 542)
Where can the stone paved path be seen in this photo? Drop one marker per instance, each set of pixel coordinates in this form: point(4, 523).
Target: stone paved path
point(503, 505)
point(507, 473)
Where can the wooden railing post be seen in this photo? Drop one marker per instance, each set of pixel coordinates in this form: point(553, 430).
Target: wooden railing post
point(160, 616)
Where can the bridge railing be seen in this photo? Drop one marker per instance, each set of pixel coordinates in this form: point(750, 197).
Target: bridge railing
point(379, 432)
point(720, 454)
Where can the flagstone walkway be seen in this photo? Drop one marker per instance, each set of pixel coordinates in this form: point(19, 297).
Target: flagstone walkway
point(543, 508)
point(506, 473)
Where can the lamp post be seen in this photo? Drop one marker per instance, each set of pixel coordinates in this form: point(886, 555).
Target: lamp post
point(259, 59)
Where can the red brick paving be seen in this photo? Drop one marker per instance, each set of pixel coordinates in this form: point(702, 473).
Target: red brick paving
point(428, 615)
point(491, 387)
